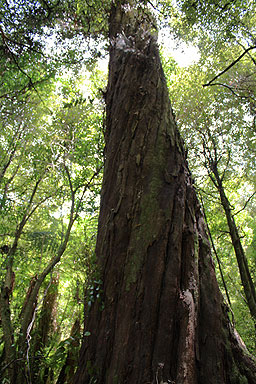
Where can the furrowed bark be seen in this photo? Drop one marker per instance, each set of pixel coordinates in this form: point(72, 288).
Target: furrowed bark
point(161, 315)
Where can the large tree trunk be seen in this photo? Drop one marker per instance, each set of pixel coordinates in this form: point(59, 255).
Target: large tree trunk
point(161, 315)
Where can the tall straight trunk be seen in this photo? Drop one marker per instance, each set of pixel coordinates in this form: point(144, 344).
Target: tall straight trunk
point(161, 315)
point(245, 275)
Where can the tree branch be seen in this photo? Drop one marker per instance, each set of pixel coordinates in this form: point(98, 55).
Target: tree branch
point(227, 164)
point(85, 189)
point(248, 200)
point(15, 139)
point(228, 87)
point(230, 66)
point(251, 57)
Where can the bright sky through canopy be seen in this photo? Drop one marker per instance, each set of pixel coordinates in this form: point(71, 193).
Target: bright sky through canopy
point(182, 53)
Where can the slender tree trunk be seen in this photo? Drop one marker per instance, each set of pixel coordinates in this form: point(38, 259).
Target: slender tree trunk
point(67, 371)
point(161, 315)
point(8, 334)
point(245, 275)
point(45, 328)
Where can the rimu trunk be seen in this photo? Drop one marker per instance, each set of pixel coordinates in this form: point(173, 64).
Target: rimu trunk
point(160, 315)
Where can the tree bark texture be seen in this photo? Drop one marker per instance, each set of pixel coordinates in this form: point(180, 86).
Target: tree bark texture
point(161, 315)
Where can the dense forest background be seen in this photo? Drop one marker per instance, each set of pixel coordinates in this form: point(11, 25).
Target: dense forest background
point(52, 105)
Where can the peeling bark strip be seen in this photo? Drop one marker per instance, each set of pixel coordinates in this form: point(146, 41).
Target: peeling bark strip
point(186, 355)
point(163, 318)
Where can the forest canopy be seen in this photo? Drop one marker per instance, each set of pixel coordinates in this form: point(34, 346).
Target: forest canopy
point(52, 126)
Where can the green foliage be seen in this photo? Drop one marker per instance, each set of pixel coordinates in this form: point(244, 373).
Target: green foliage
point(50, 176)
point(219, 21)
point(93, 15)
point(38, 38)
